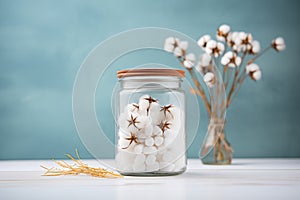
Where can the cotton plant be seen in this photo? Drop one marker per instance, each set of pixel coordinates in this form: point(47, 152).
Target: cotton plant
point(234, 53)
point(229, 52)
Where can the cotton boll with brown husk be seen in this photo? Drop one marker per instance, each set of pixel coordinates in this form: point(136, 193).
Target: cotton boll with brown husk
point(170, 44)
point(254, 48)
point(223, 32)
point(157, 131)
point(209, 79)
point(122, 141)
point(231, 59)
point(189, 61)
point(254, 71)
point(202, 42)
point(214, 48)
point(132, 108)
point(278, 44)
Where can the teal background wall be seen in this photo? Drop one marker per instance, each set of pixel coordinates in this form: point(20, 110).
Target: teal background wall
point(43, 43)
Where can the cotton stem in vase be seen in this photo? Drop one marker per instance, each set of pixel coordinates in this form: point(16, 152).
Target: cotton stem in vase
point(232, 53)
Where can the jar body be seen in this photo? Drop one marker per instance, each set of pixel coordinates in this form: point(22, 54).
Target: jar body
point(150, 130)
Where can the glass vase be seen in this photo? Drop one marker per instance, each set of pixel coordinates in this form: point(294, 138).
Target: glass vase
point(216, 150)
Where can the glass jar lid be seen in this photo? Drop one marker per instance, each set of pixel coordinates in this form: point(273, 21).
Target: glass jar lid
point(151, 72)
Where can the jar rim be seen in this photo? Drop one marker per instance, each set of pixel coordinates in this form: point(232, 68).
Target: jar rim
point(151, 72)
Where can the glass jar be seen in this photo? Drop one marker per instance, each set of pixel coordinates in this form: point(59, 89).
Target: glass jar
point(150, 128)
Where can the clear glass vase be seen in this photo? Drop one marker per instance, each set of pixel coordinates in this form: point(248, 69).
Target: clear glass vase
point(216, 150)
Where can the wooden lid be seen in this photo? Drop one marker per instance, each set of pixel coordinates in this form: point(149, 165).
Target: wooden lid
point(151, 72)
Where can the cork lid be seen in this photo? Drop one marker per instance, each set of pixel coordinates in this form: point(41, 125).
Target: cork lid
point(151, 72)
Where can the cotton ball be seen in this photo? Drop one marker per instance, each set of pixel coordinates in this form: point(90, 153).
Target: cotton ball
point(131, 108)
point(138, 149)
point(143, 103)
point(145, 121)
point(122, 141)
point(133, 123)
point(158, 140)
point(150, 160)
point(139, 159)
point(124, 161)
point(147, 131)
point(149, 141)
point(161, 150)
point(139, 167)
point(150, 150)
point(155, 113)
point(169, 112)
point(168, 156)
point(157, 131)
point(153, 167)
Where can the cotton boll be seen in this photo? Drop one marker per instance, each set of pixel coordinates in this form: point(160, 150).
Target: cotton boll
point(157, 131)
point(145, 121)
point(138, 149)
point(122, 141)
point(153, 167)
point(144, 104)
point(124, 161)
point(149, 141)
point(147, 131)
point(161, 150)
point(139, 167)
point(173, 113)
point(158, 140)
point(202, 42)
point(150, 160)
point(178, 52)
point(183, 45)
point(257, 75)
point(154, 112)
point(131, 108)
point(169, 48)
point(139, 159)
point(150, 150)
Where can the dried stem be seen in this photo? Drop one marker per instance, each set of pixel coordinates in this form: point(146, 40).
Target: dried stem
point(78, 168)
point(258, 55)
point(200, 92)
point(234, 82)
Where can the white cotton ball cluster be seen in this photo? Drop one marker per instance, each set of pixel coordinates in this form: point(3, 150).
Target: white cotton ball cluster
point(151, 137)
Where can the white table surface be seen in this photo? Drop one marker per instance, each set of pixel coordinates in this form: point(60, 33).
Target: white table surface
point(244, 179)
